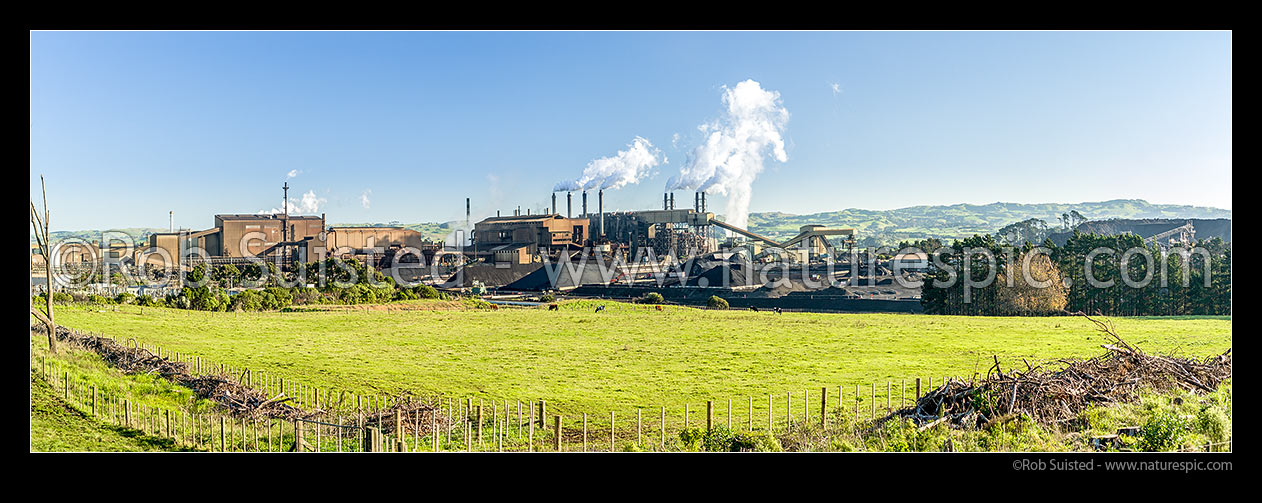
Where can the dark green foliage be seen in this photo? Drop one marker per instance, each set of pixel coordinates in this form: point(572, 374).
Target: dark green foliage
point(125, 298)
point(1163, 432)
point(716, 302)
point(651, 298)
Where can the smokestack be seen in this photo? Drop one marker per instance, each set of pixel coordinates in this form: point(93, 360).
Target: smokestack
point(672, 200)
point(665, 201)
point(584, 204)
point(172, 224)
point(554, 202)
point(600, 206)
point(569, 205)
point(703, 201)
point(497, 213)
point(696, 201)
point(467, 212)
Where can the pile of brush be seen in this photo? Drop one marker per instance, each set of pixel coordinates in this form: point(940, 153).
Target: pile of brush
point(1064, 389)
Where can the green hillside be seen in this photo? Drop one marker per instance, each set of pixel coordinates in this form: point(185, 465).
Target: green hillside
point(888, 227)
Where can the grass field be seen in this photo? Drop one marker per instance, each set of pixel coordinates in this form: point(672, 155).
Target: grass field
point(630, 355)
point(56, 427)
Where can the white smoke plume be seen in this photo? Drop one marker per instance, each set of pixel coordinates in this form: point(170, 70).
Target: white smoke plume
point(309, 204)
point(731, 156)
point(624, 168)
point(363, 199)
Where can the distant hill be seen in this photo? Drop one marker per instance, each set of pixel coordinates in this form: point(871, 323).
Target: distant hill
point(136, 234)
point(888, 227)
point(1148, 227)
point(875, 227)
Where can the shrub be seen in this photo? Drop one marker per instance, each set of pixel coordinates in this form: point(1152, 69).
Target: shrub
point(716, 302)
point(425, 292)
point(547, 298)
point(652, 298)
point(125, 298)
point(100, 299)
point(691, 439)
point(248, 300)
point(1213, 423)
point(1163, 432)
point(148, 301)
point(62, 297)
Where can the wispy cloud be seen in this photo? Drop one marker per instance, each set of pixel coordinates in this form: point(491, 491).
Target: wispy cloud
point(363, 198)
point(293, 173)
point(836, 88)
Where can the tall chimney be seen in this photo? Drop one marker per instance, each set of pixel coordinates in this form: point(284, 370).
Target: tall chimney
point(584, 204)
point(600, 206)
point(467, 212)
point(554, 202)
point(703, 201)
point(665, 201)
point(569, 205)
point(672, 200)
point(172, 224)
point(696, 201)
point(284, 228)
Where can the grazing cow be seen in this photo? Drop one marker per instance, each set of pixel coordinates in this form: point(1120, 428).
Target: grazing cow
point(553, 307)
point(600, 308)
point(754, 309)
point(659, 308)
point(777, 309)
point(495, 307)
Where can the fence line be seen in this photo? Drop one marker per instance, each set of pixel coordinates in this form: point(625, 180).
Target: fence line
point(344, 428)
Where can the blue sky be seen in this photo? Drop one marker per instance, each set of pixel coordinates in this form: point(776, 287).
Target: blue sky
point(128, 126)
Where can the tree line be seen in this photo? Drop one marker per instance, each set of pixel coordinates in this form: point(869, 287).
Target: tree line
point(1114, 275)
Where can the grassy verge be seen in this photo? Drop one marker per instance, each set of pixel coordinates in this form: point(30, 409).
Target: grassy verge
point(58, 427)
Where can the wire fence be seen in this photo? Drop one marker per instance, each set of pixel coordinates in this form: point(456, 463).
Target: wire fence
point(341, 421)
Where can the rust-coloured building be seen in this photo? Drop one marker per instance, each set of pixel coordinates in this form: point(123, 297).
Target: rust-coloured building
point(542, 231)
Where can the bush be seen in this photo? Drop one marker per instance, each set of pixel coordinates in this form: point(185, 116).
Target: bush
point(716, 302)
point(652, 298)
point(149, 301)
point(425, 292)
point(1213, 423)
point(1163, 432)
point(100, 299)
point(547, 298)
point(723, 439)
point(248, 300)
point(125, 298)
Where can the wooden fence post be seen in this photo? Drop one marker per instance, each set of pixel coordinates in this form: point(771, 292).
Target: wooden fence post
point(223, 434)
point(612, 447)
point(94, 400)
point(768, 413)
point(823, 407)
point(750, 426)
point(530, 439)
point(638, 427)
point(729, 413)
point(873, 400)
point(558, 433)
point(663, 446)
point(709, 415)
point(479, 421)
point(917, 389)
point(584, 432)
point(398, 428)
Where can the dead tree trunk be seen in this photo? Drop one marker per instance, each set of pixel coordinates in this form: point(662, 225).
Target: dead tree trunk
point(41, 238)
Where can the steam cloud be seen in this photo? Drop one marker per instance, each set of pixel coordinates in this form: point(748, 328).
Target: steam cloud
point(625, 168)
point(732, 155)
point(309, 204)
